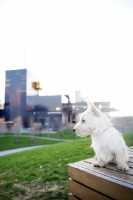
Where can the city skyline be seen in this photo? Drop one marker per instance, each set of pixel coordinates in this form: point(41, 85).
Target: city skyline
point(71, 46)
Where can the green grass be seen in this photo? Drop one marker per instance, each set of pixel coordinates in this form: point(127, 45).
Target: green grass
point(9, 140)
point(22, 178)
point(128, 137)
point(65, 134)
point(7, 143)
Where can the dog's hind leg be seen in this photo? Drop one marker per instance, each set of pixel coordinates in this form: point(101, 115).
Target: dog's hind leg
point(113, 161)
point(121, 162)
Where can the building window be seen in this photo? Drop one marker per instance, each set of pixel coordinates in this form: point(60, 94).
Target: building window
point(18, 73)
point(57, 108)
point(8, 85)
point(7, 80)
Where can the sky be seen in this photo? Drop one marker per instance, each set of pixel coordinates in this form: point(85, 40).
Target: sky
point(71, 45)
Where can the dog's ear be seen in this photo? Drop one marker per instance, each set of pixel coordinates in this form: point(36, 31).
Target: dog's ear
point(92, 108)
point(88, 105)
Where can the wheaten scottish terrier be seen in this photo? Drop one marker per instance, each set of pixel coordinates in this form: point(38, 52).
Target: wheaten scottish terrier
point(107, 142)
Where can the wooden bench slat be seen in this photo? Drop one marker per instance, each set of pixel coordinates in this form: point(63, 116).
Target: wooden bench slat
point(83, 192)
point(113, 175)
point(72, 197)
point(130, 160)
point(130, 155)
point(130, 164)
point(89, 182)
point(129, 150)
point(112, 167)
point(98, 183)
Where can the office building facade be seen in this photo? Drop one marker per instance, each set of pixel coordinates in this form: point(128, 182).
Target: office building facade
point(22, 99)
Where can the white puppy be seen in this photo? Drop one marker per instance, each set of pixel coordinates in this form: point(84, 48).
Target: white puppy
point(107, 142)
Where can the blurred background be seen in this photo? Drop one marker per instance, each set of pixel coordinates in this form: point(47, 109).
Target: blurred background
point(74, 50)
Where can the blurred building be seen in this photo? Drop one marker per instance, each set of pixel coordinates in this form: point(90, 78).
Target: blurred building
point(1, 112)
point(45, 109)
point(79, 107)
point(22, 99)
point(79, 98)
point(123, 124)
point(18, 85)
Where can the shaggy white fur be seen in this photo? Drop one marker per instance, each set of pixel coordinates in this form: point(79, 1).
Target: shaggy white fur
point(107, 142)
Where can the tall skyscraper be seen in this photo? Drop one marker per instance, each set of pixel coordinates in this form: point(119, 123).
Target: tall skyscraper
point(18, 85)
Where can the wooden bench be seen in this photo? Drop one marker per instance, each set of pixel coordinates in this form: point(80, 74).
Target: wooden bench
point(88, 182)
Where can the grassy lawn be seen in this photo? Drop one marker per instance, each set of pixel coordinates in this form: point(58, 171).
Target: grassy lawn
point(65, 134)
point(128, 137)
point(22, 178)
point(9, 141)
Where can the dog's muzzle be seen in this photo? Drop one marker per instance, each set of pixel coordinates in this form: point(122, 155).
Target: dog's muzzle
point(74, 129)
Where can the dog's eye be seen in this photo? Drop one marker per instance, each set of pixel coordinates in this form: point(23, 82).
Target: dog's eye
point(83, 121)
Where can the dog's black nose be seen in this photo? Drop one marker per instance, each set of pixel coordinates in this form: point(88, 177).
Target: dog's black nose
point(74, 130)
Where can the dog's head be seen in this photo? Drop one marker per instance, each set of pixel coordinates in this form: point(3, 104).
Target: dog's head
point(90, 120)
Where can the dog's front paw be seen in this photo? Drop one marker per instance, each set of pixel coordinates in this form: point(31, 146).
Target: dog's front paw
point(123, 167)
point(95, 165)
point(98, 164)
